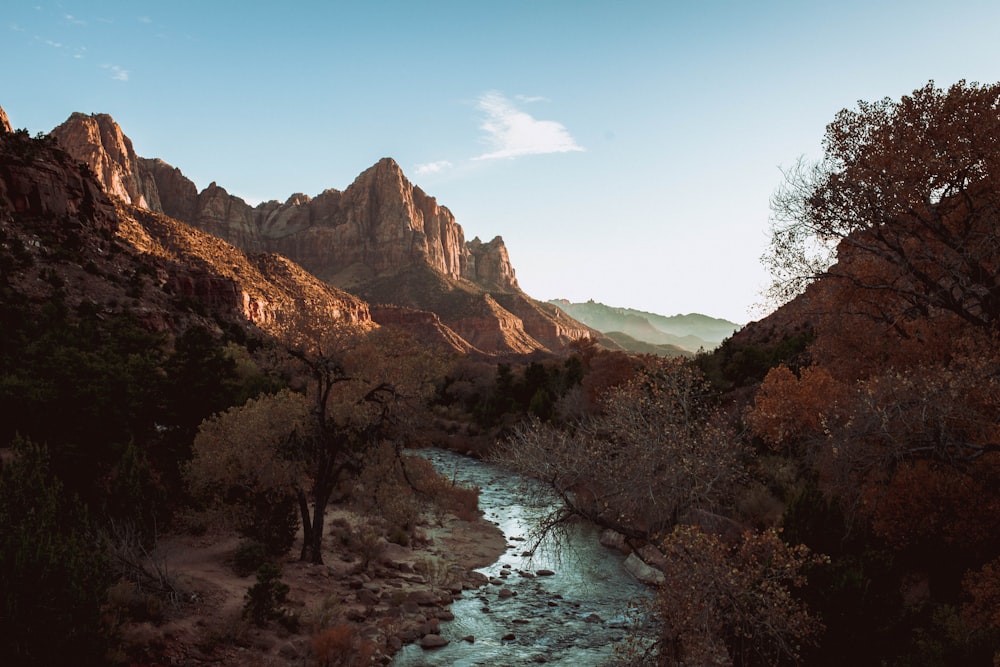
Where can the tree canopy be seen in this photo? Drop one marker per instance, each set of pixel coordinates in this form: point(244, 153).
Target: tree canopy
point(904, 205)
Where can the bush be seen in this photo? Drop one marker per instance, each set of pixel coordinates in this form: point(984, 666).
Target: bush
point(270, 522)
point(53, 572)
point(250, 556)
point(264, 598)
point(342, 646)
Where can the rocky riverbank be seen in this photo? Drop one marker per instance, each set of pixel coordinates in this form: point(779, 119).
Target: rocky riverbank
point(369, 596)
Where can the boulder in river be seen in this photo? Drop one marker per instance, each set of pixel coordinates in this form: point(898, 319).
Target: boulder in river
point(433, 641)
point(641, 571)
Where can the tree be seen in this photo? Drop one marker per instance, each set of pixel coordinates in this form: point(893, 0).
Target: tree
point(905, 205)
point(247, 460)
point(53, 574)
point(659, 451)
point(732, 604)
point(364, 387)
point(359, 389)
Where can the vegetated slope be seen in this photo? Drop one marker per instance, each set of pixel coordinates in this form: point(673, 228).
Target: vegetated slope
point(630, 344)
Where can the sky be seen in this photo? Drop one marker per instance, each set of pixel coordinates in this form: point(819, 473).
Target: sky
point(625, 151)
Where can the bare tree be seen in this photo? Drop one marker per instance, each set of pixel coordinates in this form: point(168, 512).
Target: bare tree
point(657, 452)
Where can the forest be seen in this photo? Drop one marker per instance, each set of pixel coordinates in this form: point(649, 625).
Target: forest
point(822, 489)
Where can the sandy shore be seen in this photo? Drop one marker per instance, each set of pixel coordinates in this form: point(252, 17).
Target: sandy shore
point(400, 597)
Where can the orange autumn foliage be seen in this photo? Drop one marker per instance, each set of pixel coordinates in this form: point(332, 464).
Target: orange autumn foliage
point(788, 408)
point(342, 646)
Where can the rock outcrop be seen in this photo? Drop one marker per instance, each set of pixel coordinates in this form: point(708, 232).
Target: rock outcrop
point(61, 228)
point(5, 127)
point(370, 239)
point(98, 142)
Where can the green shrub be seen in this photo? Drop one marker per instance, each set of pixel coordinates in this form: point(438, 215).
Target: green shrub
point(264, 598)
point(250, 556)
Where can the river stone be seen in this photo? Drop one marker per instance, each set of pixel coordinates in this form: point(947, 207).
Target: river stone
point(367, 597)
point(469, 638)
point(510, 636)
point(424, 597)
point(644, 573)
point(544, 573)
point(653, 557)
point(615, 540)
point(505, 593)
point(433, 641)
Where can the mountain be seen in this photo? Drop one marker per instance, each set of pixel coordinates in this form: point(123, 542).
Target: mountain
point(382, 238)
point(688, 332)
point(62, 235)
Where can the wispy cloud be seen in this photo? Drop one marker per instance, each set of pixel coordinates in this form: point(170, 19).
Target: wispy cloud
point(145, 19)
point(73, 19)
point(512, 132)
point(433, 167)
point(117, 73)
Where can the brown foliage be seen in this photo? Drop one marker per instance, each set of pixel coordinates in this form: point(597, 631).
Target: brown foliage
point(723, 604)
point(658, 451)
point(788, 409)
point(908, 197)
point(342, 646)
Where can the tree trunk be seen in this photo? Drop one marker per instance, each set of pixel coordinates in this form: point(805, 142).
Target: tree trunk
point(312, 537)
point(307, 530)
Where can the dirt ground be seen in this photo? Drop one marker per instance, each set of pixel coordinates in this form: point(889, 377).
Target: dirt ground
point(399, 597)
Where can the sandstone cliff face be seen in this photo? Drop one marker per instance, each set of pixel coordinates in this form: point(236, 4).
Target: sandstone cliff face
point(379, 225)
point(367, 239)
point(61, 227)
point(5, 127)
point(180, 196)
point(97, 141)
point(38, 182)
point(489, 265)
point(270, 291)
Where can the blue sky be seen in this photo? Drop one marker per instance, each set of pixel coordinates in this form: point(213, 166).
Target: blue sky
point(626, 151)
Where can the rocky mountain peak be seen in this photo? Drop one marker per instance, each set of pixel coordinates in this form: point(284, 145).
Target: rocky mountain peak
point(366, 239)
point(489, 265)
point(5, 127)
point(98, 141)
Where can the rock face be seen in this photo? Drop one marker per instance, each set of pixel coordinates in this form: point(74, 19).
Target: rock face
point(5, 127)
point(57, 218)
point(98, 142)
point(368, 239)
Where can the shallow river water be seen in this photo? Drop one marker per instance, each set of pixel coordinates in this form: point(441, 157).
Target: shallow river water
point(572, 617)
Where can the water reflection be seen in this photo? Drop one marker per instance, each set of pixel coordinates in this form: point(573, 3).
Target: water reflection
point(572, 617)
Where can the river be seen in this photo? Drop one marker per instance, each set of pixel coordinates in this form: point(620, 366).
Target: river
point(574, 616)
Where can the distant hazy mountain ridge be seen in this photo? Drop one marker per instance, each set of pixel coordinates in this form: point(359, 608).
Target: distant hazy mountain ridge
point(689, 332)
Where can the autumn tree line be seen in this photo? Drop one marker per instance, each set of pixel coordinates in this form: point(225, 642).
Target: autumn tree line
point(827, 494)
